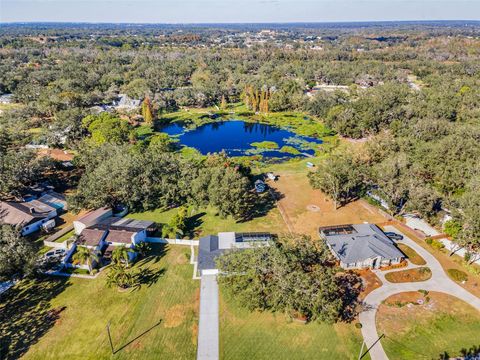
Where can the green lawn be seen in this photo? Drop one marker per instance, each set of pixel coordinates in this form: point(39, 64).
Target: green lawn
point(65, 318)
point(254, 335)
point(205, 221)
point(444, 325)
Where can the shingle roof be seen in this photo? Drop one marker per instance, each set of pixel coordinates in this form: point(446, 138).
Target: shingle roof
point(120, 236)
point(23, 213)
point(90, 237)
point(207, 252)
point(366, 242)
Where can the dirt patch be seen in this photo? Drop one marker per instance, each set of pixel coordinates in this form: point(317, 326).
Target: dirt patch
point(313, 208)
point(411, 275)
point(370, 282)
point(297, 197)
point(175, 316)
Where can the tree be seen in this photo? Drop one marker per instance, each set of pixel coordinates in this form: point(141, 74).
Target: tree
point(122, 277)
point(147, 111)
point(121, 255)
point(18, 169)
point(107, 128)
point(293, 275)
point(340, 177)
point(85, 255)
point(17, 254)
point(177, 225)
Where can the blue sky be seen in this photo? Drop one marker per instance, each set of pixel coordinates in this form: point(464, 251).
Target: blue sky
point(225, 11)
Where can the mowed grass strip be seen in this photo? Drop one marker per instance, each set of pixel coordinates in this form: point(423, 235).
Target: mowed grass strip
point(442, 325)
point(265, 336)
point(60, 318)
point(411, 275)
point(411, 254)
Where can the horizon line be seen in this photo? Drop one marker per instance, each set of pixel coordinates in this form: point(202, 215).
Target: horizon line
point(241, 22)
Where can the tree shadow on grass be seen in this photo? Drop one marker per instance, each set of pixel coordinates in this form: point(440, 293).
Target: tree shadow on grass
point(148, 277)
point(193, 223)
point(156, 253)
point(26, 314)
point(265, 202)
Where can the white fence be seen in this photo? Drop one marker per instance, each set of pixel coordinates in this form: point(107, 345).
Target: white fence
point(156, 240)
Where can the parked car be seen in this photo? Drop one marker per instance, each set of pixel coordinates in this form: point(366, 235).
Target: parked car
point(394, 236)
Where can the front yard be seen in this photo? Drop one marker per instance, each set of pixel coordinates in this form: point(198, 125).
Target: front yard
point(441, 325)
point(60, 318)
point(264, 336)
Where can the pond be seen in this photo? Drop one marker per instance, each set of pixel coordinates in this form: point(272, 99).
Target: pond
point(240, 138)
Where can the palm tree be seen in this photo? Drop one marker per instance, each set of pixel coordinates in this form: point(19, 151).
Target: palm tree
point(121, 277)
point(142, 248)
point(121, 254)
point(85, 255)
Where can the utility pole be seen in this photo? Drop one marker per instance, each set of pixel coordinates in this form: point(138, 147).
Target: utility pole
point(110, 338)
point(366, 352)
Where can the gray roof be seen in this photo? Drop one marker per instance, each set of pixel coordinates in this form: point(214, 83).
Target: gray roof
point(360, 242)
point(208, 251)
point(23, 213)
point(212, 246)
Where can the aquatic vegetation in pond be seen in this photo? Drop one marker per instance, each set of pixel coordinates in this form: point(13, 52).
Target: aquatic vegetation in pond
point(265, 145)
point(240, 138)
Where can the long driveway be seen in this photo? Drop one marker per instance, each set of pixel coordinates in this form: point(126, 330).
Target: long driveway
point(439, 282)
point(208, 322)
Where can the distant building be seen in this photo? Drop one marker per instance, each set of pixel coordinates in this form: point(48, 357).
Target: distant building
point(28, 217)
point(361, 246)
point(124, 102)
point(212, 246)
point(6, 99)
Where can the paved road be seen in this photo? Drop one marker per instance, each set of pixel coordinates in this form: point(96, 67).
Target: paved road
point(439, 282)
point(208, 323)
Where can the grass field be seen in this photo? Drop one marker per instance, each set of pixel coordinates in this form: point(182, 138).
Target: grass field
point(264, 336)
point(61, 318)
point(205, 221)
point(411, 254)
point(442, 325)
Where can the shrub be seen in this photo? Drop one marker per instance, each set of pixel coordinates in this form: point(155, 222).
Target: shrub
point(424, 292)
point(358, 325)
point(429, 240)
point(457, 275)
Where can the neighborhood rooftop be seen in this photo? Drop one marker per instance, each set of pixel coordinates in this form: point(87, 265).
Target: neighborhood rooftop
point(16, 213)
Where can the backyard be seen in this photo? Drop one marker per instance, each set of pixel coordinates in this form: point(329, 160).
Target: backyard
point(440, 326)
point(255, 335)
point(66, 318)
point(306, 209)
point(204, 221)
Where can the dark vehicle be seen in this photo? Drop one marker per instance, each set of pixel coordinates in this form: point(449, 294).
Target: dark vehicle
point(394, 236)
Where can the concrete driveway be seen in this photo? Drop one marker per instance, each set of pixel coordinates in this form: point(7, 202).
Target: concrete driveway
point(208, 323)
point(439, 282)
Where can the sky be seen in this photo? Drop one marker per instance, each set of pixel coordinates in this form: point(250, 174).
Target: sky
point(235, 11)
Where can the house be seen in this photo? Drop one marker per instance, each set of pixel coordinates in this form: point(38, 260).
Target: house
point(212, 246)
point(28, 217)
point(92, 218)
point(100, 230)
point(361, 246)
point(6, 99)
point(124, 102)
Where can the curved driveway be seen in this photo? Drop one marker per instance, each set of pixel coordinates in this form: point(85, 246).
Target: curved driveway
point(439, 282)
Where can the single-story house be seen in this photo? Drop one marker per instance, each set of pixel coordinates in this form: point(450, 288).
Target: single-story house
point(91, 218)
point(212, 246)
point(28, 217)
point(92, 238)
point(361, 246)
point(127, 103)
